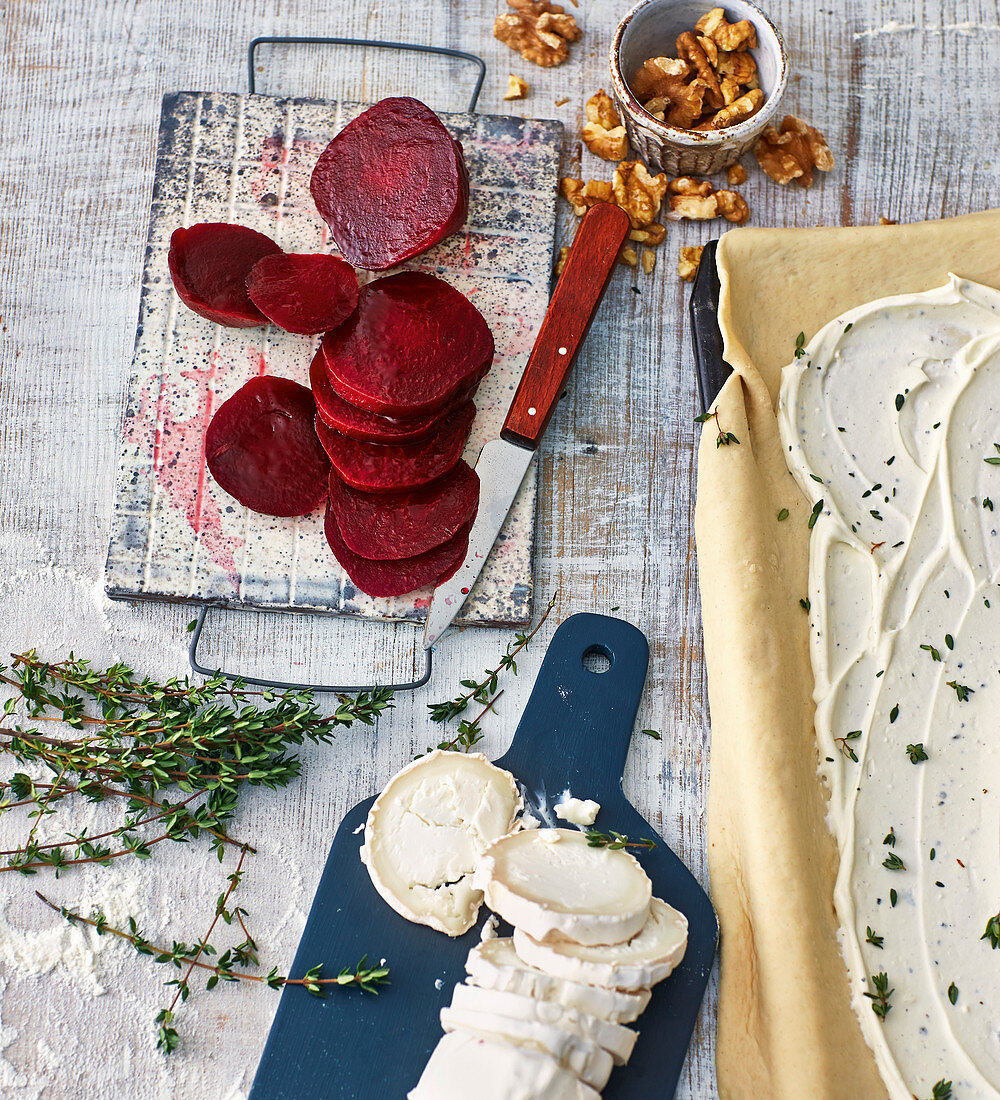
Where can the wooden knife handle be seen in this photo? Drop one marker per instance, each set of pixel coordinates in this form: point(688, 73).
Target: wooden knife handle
point(578, 293)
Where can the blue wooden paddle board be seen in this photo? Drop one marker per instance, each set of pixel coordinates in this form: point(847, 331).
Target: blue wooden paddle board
point(574, 734)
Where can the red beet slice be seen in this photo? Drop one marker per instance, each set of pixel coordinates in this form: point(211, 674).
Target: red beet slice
point(209, 264)
point(304, 294)
point(390, 526)
point(387, 468)
point(262, 448)
point(357, 423)
point(391, 184)
point(410, 348)
point(396, 578)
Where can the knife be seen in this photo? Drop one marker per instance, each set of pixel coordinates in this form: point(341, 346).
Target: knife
point(503, 462)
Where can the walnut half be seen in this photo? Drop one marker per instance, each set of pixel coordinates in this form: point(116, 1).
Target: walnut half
point(792, 152)
point(603, 132)
point(538, 30)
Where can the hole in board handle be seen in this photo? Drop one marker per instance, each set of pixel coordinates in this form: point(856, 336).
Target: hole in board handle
point(598, 659)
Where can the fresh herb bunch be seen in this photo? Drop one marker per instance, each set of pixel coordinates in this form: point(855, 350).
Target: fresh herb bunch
point(484, 692)
point(145, 741)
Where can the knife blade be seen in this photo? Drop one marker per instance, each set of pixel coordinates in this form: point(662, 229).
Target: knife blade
point(503, 462)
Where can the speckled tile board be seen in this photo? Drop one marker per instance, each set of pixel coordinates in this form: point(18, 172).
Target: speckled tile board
point(244, 158)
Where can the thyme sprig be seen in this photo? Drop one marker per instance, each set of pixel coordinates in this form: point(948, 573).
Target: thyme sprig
point(615, 841)
point(942, 1090)
point(724, 438)
point(961, 691)
point(845, 748)
point(992, 932)
point(880, 998)
point(469, 731)
point(224, 968)
point(143, 741)
point(485, 691)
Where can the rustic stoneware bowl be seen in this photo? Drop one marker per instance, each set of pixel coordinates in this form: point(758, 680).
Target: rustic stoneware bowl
point(650, 30)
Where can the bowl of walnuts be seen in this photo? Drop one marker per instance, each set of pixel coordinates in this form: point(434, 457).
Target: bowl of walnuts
point(696, 86)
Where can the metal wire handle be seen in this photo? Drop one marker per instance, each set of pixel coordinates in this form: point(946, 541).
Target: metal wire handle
point(410, 46)
point(287, 686)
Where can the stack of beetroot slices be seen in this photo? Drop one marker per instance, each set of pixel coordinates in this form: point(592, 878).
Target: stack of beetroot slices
point(380, 434)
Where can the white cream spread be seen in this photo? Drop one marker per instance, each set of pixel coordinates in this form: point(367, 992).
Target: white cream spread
point(890, 417)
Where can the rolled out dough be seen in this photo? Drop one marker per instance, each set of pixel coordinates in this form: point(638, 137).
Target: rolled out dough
point(786, 1027)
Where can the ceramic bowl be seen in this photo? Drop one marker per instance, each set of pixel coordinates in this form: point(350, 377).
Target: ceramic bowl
point(650, 30)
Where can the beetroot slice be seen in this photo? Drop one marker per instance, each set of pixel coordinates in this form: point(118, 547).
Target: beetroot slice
point(410, 348)
point(261, 447)
point(304, 294)
point(387, 468)
point(357, 423)
point(390, 526)
point(391, 184)
point(396, 578)
point(209, 264)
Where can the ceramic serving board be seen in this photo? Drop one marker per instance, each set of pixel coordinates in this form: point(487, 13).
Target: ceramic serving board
point(574, 735)
point(248, 159)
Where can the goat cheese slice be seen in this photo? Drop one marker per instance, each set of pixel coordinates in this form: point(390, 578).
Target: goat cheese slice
point(553, 885)
point(427, 830)
point(496, 965)
point(463, 1064)
point(647, 958)
point(618, 1041)
point(581, 1056)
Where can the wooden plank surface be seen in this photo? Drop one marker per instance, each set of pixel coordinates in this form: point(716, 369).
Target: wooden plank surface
point(900, 89)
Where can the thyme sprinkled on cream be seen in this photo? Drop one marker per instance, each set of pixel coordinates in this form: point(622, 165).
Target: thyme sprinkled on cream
point(880, 998)
point(845, 748)
point(992, 932)
point(961, 691)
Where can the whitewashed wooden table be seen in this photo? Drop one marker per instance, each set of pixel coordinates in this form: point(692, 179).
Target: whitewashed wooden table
point(902, 92)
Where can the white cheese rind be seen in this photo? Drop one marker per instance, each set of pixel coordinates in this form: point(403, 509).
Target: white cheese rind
point(496, 965)
point(618, 1041)
point(649, 957)
point(553, 885)
point(464, 1065)
point(581, 1056)
point(426, 832)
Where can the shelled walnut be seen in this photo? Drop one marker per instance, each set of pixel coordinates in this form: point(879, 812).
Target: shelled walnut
point(698, 200)
point(637, 192)
point(711, 84)
point(538, 30)
point(603, 132)
point(792, 152)
point(687, 264)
